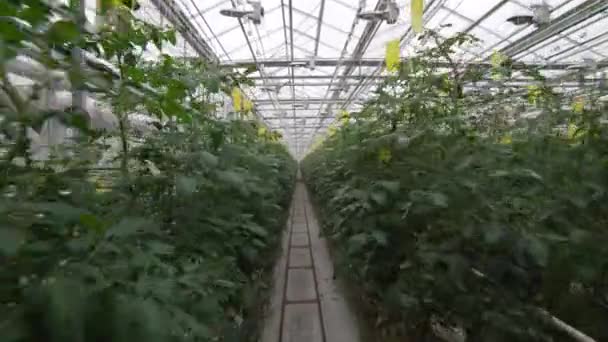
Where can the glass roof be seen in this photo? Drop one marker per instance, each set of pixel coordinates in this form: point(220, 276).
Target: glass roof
point(316, 58)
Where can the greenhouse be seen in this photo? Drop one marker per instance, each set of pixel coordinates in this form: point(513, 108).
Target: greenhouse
point(303, 171)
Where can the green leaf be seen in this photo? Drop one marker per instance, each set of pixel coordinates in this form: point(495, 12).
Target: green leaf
point(63, 31)
point(231, 177)
point(171, 36)
point(185, 185)
point(530, 173)
point(212, 84)
point(256, 229)
point(492, 234)
point(538, 251)
point(66, 310)
point(500, 173)
point(10, 31)
point(160, 248)
point(379, 197)
point(259, 243)
point(67, 213)
point(380, 237)
point(92, 222)
point(10, 240)
point(209, 159)
point(391, 186)
point(356, 243)
point(438, 199)
point(128, 227)
point(225, 283)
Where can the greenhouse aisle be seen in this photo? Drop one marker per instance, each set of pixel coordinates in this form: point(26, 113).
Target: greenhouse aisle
point(306, 304)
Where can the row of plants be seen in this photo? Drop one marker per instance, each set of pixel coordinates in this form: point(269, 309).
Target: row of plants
point(444, 212)
point(167, 238)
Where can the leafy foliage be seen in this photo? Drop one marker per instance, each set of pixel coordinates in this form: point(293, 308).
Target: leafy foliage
point(435, 218)
point(175, 242)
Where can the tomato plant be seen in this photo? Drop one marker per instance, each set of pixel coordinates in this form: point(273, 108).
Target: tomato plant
point(447, 206)
point(166, 236)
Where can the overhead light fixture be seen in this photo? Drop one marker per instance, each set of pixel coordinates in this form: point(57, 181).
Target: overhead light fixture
point(255, 14)
point(519, 20)
point(541, 15)
point(390, 14)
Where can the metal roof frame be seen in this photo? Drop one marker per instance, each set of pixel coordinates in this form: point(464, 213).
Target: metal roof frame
point(309, 67)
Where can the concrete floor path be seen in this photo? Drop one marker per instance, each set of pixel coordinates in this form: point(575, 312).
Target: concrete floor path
point(307, 304)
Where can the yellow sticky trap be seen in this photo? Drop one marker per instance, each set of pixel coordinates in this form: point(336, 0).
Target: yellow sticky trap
point(497, 60)
point(317, 142)
point(393, 55)
point(331, 131)
point(578, 105)
point(533, 93)
point(417, 10)
point(385, 155)
point(247, 106)
point(572, 128)
point(237, 99)
point(344, 117)
point(506, 139)
point(261, 131)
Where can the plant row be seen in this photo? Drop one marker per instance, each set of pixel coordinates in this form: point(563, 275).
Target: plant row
point(438, 220)
point(124, 235)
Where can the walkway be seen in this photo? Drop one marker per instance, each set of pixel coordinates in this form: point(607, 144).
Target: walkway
point(306, 304)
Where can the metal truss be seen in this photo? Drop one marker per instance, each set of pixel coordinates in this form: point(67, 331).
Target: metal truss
point(567, 20)
point(379, 62)
point(320, 86)
point(170, 10)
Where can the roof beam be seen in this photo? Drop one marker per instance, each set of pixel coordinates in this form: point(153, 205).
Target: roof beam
point(314, 77)
point(331, 26)
point(205, 10)
point(319, 25)
point(345, 4)
point(305, 100)
point(320, 84)
point(485, 16)
point(302, 33)
point(376, 62)
point(560, 36)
